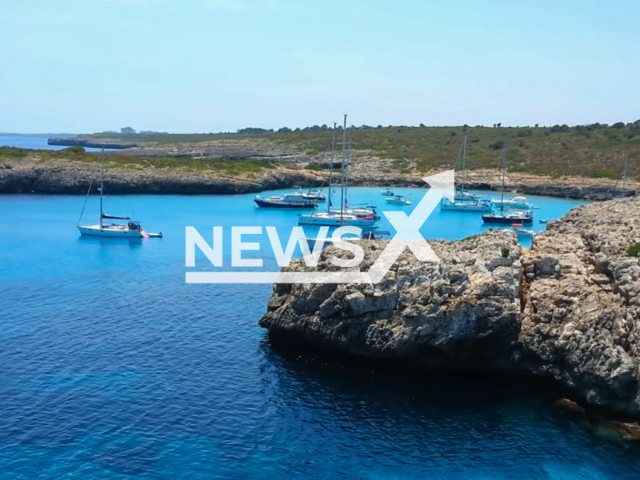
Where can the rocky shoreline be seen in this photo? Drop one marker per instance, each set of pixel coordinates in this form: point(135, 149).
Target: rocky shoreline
point(73, 178)
point(566, 310)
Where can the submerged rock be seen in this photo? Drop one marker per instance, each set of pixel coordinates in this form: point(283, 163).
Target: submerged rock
point(568, 309)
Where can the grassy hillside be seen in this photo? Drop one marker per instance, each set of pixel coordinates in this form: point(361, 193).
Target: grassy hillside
point(115, 160)
point(595, 151)
point(592, 152)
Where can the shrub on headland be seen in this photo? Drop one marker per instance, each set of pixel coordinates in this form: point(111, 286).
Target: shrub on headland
point(634, 250)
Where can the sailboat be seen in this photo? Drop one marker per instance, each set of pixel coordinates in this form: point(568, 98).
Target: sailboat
point(522, 217)
point(516, 203)
point(464, 201)
point(130, 229)
point(343, 216)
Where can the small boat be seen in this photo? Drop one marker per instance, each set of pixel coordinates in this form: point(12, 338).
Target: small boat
point(523, 218)
point(290, 200)
point(398, 200)
point(464, 201)
point(462, 196)
point(525, 232)
point(130, 229)
point(465, 206)
point(517, 203)
point(543, 220)
point(357, 211)
point(314, 196)
point(388, 193)
point(502, 218)
point(325, 219)
point(342, 216)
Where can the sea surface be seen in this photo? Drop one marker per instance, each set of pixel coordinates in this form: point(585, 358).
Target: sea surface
point(112, 367)
point(34, 142)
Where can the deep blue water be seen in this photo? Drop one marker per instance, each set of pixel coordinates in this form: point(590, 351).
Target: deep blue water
point(112, 367)
point(33, 142)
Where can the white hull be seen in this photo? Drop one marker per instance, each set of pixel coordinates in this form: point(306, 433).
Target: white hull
point(513, 205)
point(465, 207)
point(335, 220)
point(398, 201)
point(109, 231)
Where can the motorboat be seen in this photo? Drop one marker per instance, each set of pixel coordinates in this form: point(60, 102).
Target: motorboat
point(398, 200)
point(516, 203)
point(314, 195)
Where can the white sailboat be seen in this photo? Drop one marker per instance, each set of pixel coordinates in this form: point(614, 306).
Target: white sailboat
point(343, 216)
point(516, 203)
point(464, 201)
point(130, 229)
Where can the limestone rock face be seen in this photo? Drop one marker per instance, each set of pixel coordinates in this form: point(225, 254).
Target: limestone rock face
point(581, 315)
point(464, 309)
point(567, 309)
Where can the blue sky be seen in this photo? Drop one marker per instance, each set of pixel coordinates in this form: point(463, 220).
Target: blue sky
point(219, 65)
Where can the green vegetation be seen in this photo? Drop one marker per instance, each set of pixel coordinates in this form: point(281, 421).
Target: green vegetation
point(592, 151)
point(634, 250)
point(128, 162)
point(505, 252)
point(314, 167)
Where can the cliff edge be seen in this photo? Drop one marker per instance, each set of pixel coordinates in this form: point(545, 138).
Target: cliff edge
point(568, 309)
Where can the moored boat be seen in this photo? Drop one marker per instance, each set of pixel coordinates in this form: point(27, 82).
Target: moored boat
point(388, 193)
point(336, 220)
point(398, 200)
point(341, 216)
point(523, 217)
point(290, 200)
point(131, 229)
point(464, 201)
point(516, 203)
point(465, 206)
point(314, 195)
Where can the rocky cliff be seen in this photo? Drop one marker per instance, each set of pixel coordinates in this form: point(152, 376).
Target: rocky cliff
point(62, 176)
point(568, 309)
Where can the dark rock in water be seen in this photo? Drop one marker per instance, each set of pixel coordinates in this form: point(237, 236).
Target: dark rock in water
point(571, 406)
point(566, 310)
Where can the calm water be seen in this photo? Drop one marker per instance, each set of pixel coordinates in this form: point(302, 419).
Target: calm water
point(112, 367)
point(32, 142)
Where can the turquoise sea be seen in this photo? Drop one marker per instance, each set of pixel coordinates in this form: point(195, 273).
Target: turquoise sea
point(112, 367)
point(38, 142)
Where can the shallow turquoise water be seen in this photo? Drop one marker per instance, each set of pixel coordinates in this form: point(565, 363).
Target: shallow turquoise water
point(34, 142)
point(112, 367)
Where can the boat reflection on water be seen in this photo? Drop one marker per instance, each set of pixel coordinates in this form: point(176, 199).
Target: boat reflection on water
point(112, 242)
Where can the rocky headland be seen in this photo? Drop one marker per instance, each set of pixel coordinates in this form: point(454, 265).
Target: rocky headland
point(66, 176)
point(566, 310)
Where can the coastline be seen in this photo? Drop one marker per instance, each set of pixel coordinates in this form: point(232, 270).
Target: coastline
point(565, 310)
point(73, 178)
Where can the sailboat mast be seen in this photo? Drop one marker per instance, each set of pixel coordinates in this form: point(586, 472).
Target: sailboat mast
point(504, 171)
point(333, 152)
point(464, 163)
point(624, 173)
point(101, 185)
point(344, 169)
